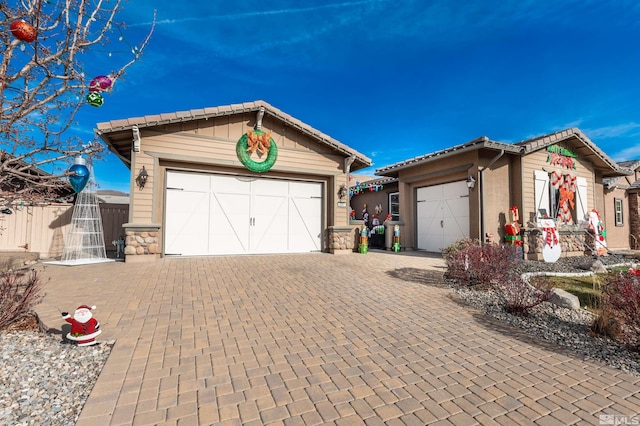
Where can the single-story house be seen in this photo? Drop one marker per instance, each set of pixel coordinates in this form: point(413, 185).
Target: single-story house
point(473, 190)
point(236, 179)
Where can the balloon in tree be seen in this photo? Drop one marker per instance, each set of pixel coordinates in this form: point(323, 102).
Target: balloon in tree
point(23, 31)
point(79, 174)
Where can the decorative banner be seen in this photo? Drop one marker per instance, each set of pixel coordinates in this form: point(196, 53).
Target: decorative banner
point(79, 177)
point(23, 31)
point(559, 156)
point(562, 151)
point(359, 188)
point(260, 142)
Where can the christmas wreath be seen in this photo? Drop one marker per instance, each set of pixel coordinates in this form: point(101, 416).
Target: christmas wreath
point(263, 143)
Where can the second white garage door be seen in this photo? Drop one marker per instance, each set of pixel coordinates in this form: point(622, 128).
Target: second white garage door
point(442, 215)
point(214, 214)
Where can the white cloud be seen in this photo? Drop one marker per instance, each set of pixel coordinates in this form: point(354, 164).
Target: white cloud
point(627, 154)
point(626, 129)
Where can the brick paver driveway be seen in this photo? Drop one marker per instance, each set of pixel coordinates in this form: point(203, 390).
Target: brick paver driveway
point(317, 339)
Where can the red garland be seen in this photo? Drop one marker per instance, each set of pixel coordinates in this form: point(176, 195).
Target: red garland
point(552, 238)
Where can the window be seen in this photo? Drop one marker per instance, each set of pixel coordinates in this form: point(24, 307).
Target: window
point(394, 205)
point(617, 203)
point(564, 207)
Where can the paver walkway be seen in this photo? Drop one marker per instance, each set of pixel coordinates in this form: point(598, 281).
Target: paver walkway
point(318, 339)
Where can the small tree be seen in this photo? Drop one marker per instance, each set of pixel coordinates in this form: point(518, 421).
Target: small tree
point(42, 86)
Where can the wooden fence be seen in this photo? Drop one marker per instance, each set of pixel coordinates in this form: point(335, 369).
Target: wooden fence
point(43, 229)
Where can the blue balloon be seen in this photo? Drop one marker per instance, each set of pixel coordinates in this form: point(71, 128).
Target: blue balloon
point(79, 177)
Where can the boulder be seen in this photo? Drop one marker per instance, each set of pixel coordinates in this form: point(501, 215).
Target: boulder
point(564, 299)
point(598, 267)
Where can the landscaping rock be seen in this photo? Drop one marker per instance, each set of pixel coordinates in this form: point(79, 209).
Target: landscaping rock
point(598, 267)
point(564, 299)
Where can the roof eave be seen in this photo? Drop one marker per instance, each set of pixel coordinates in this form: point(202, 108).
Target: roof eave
point(103, 129)
point(482, 142)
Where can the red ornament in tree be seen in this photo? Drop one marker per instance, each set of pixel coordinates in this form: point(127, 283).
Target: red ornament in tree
point(23, 31)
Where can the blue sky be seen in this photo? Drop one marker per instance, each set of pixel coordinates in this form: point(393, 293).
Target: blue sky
point(391, 79)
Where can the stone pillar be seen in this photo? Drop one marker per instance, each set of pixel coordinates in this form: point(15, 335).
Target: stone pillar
point(342, 239)
point(141, 242)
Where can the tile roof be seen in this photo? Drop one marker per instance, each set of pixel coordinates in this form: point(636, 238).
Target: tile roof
point(147, 121)
point(591, 151)
point(481, 142)
point(612, 181)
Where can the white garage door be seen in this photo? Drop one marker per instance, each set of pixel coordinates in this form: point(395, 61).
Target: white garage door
point(213, 214)
point(442, 215)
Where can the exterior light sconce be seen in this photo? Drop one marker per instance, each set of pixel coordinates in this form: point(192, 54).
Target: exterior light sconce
point(141, 180)
point(342, 192)
point(471, 182)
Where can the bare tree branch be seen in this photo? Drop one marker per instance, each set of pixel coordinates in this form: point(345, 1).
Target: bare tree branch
point(42, 87)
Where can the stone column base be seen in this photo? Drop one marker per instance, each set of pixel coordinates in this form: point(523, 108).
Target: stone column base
point(141, 242)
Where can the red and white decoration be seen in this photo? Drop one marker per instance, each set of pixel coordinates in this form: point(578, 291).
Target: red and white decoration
point(600, 235)
point(84, 328)
point(551, 250)
point(567, 186)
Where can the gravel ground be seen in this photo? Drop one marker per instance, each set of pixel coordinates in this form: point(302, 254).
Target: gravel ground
point(44, 381)
point(567, 328)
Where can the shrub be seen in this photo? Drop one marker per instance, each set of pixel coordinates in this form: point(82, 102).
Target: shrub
point(606, 324)
point(518, 297)
point(450, 251)
point(472, 264)
point(19, 293)
point(621, 294)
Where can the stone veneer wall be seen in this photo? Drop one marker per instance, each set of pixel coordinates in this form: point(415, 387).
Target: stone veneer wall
point(634, 220)
point(141, 242)
point(342, 239)
point(571, 242)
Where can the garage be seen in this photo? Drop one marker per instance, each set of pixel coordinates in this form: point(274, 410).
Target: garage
point(210, 214)
point(442, 215)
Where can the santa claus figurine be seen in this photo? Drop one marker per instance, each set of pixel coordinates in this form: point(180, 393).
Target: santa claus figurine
point(84, 327)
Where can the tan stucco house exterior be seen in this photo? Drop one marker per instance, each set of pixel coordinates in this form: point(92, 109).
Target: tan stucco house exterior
point(236, 179)
point(468, 191)
point(622, 207)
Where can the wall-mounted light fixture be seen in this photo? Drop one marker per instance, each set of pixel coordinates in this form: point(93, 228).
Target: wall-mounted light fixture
point(342, 192)
point(141, 180)
point(471, 182)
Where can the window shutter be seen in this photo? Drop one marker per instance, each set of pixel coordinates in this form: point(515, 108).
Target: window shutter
point(581, 200)
point(541, 188)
